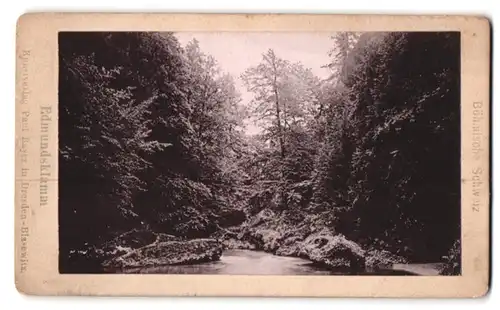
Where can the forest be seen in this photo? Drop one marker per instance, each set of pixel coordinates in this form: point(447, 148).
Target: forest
point(359, 169)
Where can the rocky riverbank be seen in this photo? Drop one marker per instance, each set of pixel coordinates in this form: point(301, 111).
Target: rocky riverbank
point(310, 239)
point(168, 253)
point(140, 248)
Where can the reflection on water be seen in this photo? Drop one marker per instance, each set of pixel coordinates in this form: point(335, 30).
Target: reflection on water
point(245, 262)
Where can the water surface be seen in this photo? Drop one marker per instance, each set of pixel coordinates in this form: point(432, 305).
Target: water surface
point(246, 262)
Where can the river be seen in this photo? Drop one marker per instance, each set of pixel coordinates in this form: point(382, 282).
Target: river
point(246, 262)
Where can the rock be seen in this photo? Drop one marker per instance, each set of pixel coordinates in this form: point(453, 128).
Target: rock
point(292, 241)
point(224, 234)
point(234, 244)
point(383, 259)
point(310, 239)
point(268, 239)
point(132, 239)
point(95, 257)
point(263, 217)
point(129, 241)
point(290, 246)
point(262, 231)
point(169, 253)
point(333, 251)
point(264, 239)
point(164, 238)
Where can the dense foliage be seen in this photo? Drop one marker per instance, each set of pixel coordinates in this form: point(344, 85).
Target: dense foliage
point(143, 126)
point(151, 138)
point(377, 154)
point(397, 179)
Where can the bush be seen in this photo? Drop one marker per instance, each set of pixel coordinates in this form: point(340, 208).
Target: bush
point(453, 260)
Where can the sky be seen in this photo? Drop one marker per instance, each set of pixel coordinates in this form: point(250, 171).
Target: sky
point(237, 51)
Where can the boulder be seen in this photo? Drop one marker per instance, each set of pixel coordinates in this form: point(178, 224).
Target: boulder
point(333, 251)
point(264, 239)
point(290, 246)
point(160, 237)
point(130, 241)
point(133, 239)
point(268, 239)
point(382, 259)
point(169, 253)
point(234, 244)
point(263, 217)
point(224, 234)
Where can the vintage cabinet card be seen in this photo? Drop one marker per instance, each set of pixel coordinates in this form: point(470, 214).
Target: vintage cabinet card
point(252, 155)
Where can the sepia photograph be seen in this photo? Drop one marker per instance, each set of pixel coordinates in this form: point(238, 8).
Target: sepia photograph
point(252, 155)
point(291, 153)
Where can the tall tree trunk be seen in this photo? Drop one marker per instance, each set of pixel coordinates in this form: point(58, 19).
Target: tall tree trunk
point(280, 129)
point(278, 112)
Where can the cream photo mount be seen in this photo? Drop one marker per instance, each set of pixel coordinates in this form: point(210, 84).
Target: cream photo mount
point(36, 197)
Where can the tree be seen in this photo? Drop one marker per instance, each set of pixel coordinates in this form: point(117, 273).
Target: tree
point(286, 103)
point(344, 42)
point(217, 120)
point(144, 125)
point(105, 134)
point(265, 81)
point(401, 97)
point(217, 115)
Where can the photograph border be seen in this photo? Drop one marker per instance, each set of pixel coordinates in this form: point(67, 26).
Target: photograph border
point(37, 148)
